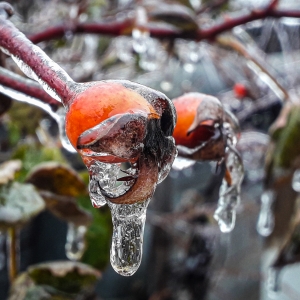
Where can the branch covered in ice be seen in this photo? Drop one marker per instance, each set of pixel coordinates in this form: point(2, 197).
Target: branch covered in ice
point(124, 27)
point(32, 60)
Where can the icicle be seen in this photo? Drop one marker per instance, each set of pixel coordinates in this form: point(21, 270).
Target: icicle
point(229, 194)
point(75, 244)
point(140, 34)
point(296, 181)
point(2, 253)
point(265, 223)
point(273, 283)
point(127, 241)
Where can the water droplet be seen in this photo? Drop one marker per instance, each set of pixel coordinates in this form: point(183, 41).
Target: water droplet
point(296, 181)
point(75, 244)
point(273, 283)
point(265, 223)
point(127, 241)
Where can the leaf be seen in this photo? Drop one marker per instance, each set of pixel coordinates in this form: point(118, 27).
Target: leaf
point(66, 276)
point(57, 178)
point(287, 143)
point(61, 280)
point(19, 203)
point(59, 185)
point(8, 170)
point(33, 154)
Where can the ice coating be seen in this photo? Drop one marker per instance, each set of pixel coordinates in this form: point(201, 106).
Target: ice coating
point(266, 222)
point(229, 194)
point(75, 243)
point(127, 240)
point(35, 63)
point(296, 181)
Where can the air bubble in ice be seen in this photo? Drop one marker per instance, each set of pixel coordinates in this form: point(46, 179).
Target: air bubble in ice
point(75, 244)
point(265, 223)
point(127, 241)
point(296, 181)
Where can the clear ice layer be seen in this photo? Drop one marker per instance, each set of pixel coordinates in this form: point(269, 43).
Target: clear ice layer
point(229, 194)
point(103, 178)
point(273, 282)
point(265, 224)
point(75, 243)
point(27, 70)
point(127, 240)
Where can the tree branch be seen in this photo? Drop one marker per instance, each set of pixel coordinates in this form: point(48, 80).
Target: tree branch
point(125, 26)
point(26, 86)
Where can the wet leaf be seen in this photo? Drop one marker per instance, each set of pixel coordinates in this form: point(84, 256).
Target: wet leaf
point(66, 276)
point(61, 280)
point(19, 203)
point(286, 140)
point(59, 185)
point(66, 208)
point(57, 178)
point(8, 170)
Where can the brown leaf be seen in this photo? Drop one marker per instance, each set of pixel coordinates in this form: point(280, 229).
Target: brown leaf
point(8, 170)
point(57, 178)
point(66, 208)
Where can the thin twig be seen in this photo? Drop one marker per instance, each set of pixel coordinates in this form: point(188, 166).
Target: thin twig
point(13, 253)
point(125, 26)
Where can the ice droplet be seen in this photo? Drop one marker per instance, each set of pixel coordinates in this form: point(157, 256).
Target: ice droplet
point(296, 181)
point(2, 254)
point(127, 240)
point(273, 284)
point(265, 223)
point(229, 194)
point(75, 243)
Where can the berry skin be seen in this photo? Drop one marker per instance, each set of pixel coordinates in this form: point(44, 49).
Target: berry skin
point(99, 102)
point(186, 109)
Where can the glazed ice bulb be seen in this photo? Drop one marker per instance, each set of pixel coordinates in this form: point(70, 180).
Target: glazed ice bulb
point(110, 123)
point(206, 131)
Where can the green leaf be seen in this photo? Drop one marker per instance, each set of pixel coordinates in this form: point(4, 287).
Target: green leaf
point(19, 203)
point(66, 276)
point(33, 154)
point(287, 144)
point(61, 280)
